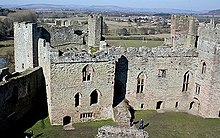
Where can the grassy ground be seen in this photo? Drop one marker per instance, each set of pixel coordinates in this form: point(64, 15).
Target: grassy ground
point(161, 125)
point(43, 129)
point(134, 43)
point(7, 51)
point(178, 125)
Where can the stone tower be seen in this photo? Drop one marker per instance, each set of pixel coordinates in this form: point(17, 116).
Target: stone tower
point(94, 30)
point(25, 46)
point(184, 31)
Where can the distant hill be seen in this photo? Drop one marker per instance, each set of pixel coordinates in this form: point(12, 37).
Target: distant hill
point(103, 8)
point(214, 12)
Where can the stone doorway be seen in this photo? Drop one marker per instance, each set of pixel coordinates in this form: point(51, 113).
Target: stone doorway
point(66, 120)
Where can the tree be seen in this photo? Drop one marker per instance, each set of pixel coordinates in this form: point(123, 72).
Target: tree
point(23, 15)
point(122, 32)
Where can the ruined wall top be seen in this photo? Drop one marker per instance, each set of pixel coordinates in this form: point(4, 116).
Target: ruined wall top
point(112, 53)
point(210, 32)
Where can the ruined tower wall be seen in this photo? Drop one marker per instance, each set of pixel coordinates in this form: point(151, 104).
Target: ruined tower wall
point(67, 81)
point(183, 31)
point(65, 35)
point(25, 46)
point(20, 94)
point(208, 76)
point(44, 62)
point(150, 61)
point(94, 30)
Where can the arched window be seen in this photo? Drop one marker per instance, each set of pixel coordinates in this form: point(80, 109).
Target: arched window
point(140, 83)
point(94, 97)
point(87, 72)
point(77, 99)
point(203, 67)
point(186, 81)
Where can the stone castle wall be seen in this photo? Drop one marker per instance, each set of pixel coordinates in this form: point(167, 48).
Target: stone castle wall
point(94, 30)
point(207, 75)
point(120, 132)
point(161, 78)
point(25, 38)
point(19, 93)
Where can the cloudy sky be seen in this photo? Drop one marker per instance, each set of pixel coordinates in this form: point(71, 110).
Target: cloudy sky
point(177, 4)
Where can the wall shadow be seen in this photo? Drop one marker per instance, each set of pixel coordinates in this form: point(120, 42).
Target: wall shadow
point(121, 75)
point(38, 111)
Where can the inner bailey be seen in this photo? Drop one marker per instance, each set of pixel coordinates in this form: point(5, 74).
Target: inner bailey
point(83, 86)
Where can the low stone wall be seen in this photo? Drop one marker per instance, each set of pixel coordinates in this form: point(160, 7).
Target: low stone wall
point(121, 132)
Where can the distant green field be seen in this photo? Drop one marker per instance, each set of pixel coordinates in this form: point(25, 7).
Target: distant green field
point(134, 43)
point(161, 125)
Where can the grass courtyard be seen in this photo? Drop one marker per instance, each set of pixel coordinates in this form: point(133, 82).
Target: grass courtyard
point(161, 125)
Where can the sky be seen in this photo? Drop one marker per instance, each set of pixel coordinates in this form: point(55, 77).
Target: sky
point(174, 4)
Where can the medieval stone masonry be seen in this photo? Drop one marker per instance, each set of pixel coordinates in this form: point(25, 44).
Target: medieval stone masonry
point(84, 85)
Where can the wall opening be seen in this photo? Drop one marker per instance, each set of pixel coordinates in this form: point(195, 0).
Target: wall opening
point(191, 105)
point(162, 73)
point(77, 99)
point(94, 97)
point(87, 72)
point(142, 106)
point(197, 89)
point(78, 32)
point(140, 83)
point(177, 104)
point(22, 66)
point(185, 81)
point(66, 120)
point(86, 115)
point(159, 105)
point(219, 114)
point(203, 68)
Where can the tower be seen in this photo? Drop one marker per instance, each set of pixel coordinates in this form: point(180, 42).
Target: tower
point(25, 46)
point(95, 30)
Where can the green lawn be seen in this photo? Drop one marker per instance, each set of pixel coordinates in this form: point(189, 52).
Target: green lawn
point(178, 125)
point(134, 43)
point(43, 129)
point(161, 125)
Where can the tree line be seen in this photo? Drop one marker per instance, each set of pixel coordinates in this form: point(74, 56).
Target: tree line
point(9, 17)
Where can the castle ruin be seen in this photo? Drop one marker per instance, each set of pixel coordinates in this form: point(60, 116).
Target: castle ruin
point(83, 86)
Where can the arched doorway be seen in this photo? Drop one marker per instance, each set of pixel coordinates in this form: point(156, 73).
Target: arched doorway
point(66, 120)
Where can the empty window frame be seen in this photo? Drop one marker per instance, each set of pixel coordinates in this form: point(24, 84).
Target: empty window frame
point(162, 73)
point(186, 81)
point(87, 73)
point(197, 89)
point(140, 83)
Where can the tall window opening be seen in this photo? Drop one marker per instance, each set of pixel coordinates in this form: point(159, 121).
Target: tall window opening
point(159, 105)
point(219, 114)
point(77, 99)
point(87, 73)
point(140, 83)
point(191, 105)
point(197, 89)
point(203, 68)
point(185, 81)
point(177, 104)
point(94, 97)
